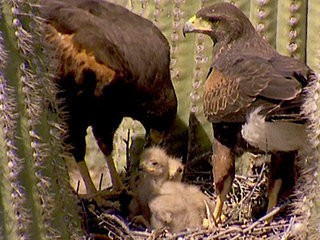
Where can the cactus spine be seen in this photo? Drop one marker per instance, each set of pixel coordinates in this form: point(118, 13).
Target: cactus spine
point(36, 199)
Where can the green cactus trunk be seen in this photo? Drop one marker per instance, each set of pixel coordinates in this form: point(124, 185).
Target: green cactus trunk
point(36, 201)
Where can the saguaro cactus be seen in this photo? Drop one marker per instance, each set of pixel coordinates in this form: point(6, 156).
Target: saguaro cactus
point(35, 198)
point(36, 201)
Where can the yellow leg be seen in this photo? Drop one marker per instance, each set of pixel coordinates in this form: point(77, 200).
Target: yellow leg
point(218, 209)
point(273, 196)
point(223, 173)
point(222, 196)
point(92, 192)
point(91, 189)
point(117, 184)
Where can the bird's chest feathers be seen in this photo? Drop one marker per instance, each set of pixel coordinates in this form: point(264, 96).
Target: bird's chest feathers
point(219, 92)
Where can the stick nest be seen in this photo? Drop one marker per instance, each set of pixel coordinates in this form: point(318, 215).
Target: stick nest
point(244, 210)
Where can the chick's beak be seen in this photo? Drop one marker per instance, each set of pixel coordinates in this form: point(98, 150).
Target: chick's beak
point(195, 24)
point(145, 167)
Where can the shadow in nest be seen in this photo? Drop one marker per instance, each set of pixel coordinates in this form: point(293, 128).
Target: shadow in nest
point(244, 211)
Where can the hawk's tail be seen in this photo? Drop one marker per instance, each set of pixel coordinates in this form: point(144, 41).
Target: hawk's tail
point(273, 136)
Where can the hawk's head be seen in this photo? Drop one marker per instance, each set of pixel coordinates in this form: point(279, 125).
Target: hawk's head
point(223, 22)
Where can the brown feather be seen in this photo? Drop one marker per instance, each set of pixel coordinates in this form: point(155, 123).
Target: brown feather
point(75, 60)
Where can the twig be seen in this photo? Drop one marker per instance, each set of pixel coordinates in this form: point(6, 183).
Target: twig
point(85, 218)
point(124, 229)
point(78, 187)
point(227, 231)
point(127, 142)
point(287, 232)
point(119, 222)
point(100, 182)
point(141, 234)
point(190, 233)
point(236, 237)
point(265, 217)
point(211, 221)
point(248, 196)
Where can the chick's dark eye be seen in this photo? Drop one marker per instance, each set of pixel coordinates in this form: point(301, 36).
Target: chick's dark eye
point(154, 163)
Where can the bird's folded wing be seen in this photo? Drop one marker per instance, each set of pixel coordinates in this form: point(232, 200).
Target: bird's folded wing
point(236, 82)
point(89, 29)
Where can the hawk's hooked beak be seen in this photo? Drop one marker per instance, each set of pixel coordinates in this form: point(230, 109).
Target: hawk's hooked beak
point(195, 24)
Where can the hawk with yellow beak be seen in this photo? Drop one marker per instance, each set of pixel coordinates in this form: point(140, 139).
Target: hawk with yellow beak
point(112, 64)
point(253, 98)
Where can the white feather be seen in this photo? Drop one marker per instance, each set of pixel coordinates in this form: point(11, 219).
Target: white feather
point(273, 136)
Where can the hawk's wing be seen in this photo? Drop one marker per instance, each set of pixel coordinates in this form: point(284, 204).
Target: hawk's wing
point(108, 40)
point(234, 84)
point(83, 28)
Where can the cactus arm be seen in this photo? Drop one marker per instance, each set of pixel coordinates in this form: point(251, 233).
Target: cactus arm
point(33, 189)
point(23, 192)
point(313, 44)
point(200, 130)
point(263, 17)
point(313, 60)
point(291, 28)
point(7, 152)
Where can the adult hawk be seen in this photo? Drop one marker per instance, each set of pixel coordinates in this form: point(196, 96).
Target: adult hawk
point(252, 95)
point(112, 64)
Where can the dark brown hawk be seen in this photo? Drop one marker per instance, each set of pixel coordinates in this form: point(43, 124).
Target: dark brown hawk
point(113, 64)
point(252, 95)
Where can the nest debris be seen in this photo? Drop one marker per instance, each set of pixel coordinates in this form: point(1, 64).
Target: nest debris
point(244, 211)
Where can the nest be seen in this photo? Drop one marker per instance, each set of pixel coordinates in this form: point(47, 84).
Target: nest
point(244, 210)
